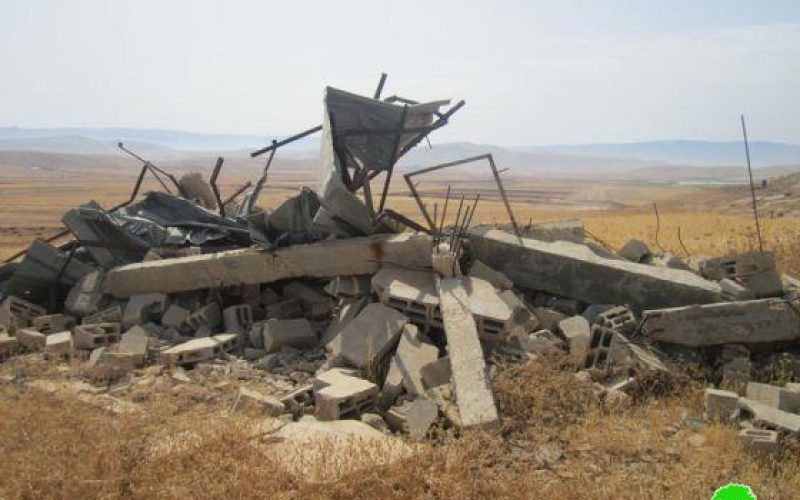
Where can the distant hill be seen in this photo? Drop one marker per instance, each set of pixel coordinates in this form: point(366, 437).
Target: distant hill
point(170, 139)
point(696, 153)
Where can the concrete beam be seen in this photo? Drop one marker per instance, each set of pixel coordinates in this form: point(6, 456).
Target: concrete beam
point(473, 391)
point(327, 259)
point(573, 270)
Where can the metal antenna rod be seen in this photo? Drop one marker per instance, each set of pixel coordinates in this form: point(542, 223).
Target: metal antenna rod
point(455, 226)
point(752, 187)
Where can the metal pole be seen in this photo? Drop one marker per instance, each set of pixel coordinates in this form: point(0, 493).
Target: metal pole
point(752, 186)
point(503, 195)
point(378, 90)
point(277, 144)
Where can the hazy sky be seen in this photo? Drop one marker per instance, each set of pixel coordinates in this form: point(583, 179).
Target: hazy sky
point(532, 72)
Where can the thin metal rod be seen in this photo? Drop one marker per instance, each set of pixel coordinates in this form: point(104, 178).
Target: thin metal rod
point(658, 226)
point(154, 169)
point(752, 186)
point(237, 193)
point(435, 218)
point(381, 83)
point(505, 198)
point(444, 212)
point(276, 144)
point(260, 184)
point(214, 188)
point(455, 226)
point(460, 241)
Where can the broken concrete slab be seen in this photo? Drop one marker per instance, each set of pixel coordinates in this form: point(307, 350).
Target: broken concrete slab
point(17, 313)
point(112, 314)
point(52, 323)
point(578, 334)
point(474, 396)
point(58, 343)
point(174, 316)
point(250, 402)
point(486, 273)
point(764, 284)
point(327, 259)
point(392, 386)
point(204, 318)
point(734, 266)
point(412, 354)
point(769, 416)
point(238, 318)
point(751, 322)
point(200, 349)
point(42, 269)
point(108, 243)
point(349, 286)
point(339, 394)
point(280, 333)
point(135, 342)
point(371, 335)
point(573, 270)
point(84, 297)
point(733, 290)
point(774, 396)
point(285, 309)
point(436, 373)
point(347, 310)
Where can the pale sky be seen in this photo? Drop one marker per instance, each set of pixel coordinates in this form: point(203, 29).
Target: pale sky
point(532, 72)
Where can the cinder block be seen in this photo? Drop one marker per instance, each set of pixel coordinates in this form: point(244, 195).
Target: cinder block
point(248, 401)
point(90, 337)
point(720, 405)
point(759, 441)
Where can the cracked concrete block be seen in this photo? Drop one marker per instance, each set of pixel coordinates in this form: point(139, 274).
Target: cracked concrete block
point(16, 313)
point(134, 342)
point(205, 318)
point(285, 309)
point(764, 284)
point(413, 417)
point(347, 310)
point(759, 441)
point(751, 322)
point(112, 314)
point(349, 286)
point(412, 354)
point(578, 334)
point(774, 396)
point(140, 307)
point(315, 303)
point(473, 390)
point(738, 265)
point(486, 273)
point(733, 290)
point(280, 333)
point(30, 339)
point(90, 337)
point(326, 259)
point(573, 270)
point(721, 405)
point(371, 335)
point(174, 316)
point(392, 386)
point(58, 343)
point(250, 402)
point(339, 394)
point(52, 323)
point(620, 319)
point(84, 297)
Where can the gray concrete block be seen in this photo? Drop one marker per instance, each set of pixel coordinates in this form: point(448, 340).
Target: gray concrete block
point(578, 334)
point(720, 405)
point(250, 402)
point(174, 316)
point(774, 396)
point(436, 373)
point(759, 441)
point(280, 333)
point(90, 337)
point(30, 339)
point(412, 354)
point(340, 394)
point(769, 416)
point(371, 335)
point(635, 251)
point(140, 307)
point(486, 273)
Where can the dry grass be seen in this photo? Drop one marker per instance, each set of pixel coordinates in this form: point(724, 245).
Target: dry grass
point(557, 440)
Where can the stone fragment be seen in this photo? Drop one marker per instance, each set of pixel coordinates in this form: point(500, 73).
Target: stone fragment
point(112, 314)
point(733, 290)
point(572, 270)
point(736, 374)
point(635, 251)
point(473, 391)
point(206, 318)
point(721, 405)
point(751, 322)
point(280, 333)
point(764, 284)
point(620, 319)
point(347, 310)
point(16, 313)
point(413, 417)
point(392, 386)
point(371, 335)
point(8, 346)
point(84, 297)
point(250, 402)
point(135, 342)
point(326, 259)
point(285, 309)
point(375, 421)
point(735, 266)
point(436, 373)
point(349, 286)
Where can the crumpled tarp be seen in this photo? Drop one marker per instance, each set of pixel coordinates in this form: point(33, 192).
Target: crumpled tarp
point(344, 151)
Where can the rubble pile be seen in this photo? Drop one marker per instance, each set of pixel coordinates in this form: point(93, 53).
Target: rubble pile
point(362, 313)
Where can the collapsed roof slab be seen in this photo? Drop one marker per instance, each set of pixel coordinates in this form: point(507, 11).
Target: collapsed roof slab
point(327, 259)
point(573, 270)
